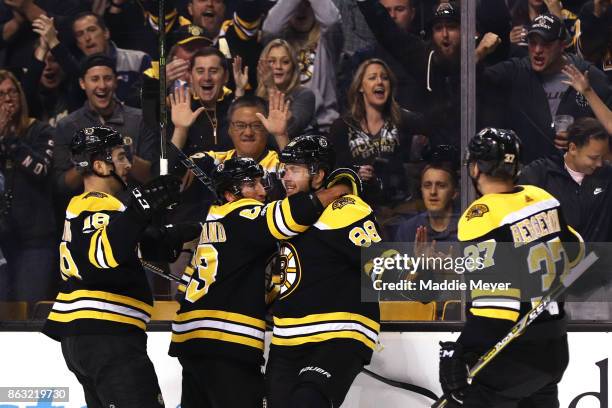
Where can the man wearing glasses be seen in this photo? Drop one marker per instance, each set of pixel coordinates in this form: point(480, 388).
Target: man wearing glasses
point(248, 129)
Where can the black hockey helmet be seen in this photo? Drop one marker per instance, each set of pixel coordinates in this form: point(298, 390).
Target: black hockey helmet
point(315, 151)
point(496, 151)
point(232, 173)
point(94, 143)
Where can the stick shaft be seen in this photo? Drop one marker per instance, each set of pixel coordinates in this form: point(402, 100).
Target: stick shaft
point(163, 155)
point(193, 167)
point(525, 321)
point(159, 272)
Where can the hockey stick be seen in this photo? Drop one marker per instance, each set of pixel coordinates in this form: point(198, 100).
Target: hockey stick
point(163, 155)
point(522, 324)
point(160, 272)
point(399, 384)
point(195, 169)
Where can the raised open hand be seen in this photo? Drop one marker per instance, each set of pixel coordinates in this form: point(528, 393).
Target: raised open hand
point(278, 114)
point(264, 73)
point(180, 103)
point(576, 79)
point(241, 76)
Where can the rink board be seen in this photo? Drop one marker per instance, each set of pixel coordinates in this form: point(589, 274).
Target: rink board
point(33, 360)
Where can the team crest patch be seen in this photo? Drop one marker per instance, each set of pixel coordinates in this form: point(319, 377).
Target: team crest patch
point(285, 270)
point(341, 202)
point(477, 210)
point(94, 194)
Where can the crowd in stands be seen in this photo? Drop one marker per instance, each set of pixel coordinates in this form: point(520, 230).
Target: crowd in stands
point(380, 78)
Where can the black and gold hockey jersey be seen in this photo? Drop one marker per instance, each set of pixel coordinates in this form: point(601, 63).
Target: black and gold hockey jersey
point(223, 309)
point(522, 240)
point(105, 289)
point(320, 282)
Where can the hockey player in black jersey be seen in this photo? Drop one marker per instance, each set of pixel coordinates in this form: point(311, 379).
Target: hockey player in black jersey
point(102, 309)
point(218, 332)
point(323, 334)
point(521, 234)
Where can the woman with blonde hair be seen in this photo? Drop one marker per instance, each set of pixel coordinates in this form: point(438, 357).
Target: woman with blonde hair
point(27, 224)
point(312, 27)
point(278, 71)
point(375, 135)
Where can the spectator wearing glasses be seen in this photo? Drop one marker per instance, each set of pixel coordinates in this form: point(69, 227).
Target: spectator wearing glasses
point(248, 130)
point(27, 222)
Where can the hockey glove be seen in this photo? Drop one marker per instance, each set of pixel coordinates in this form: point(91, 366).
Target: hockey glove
point(345, 176)
point(157, 194)
point(164, 243)
point(453, 370)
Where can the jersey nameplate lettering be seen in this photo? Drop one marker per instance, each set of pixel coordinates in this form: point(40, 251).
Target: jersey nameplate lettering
point(212, 232)
point(535, 227)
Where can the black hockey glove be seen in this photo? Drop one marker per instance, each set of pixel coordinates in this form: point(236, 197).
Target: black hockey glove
point(345, 176)
point(164, 243)
point(453, 371)
point(157, 194)
point(183, 232)
point(173, 234)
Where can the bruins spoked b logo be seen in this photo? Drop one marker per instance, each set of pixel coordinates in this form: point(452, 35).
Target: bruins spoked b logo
point(288, 272)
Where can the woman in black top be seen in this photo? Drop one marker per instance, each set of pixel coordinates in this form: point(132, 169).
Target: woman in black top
point(375, 135)
point(27, 224)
